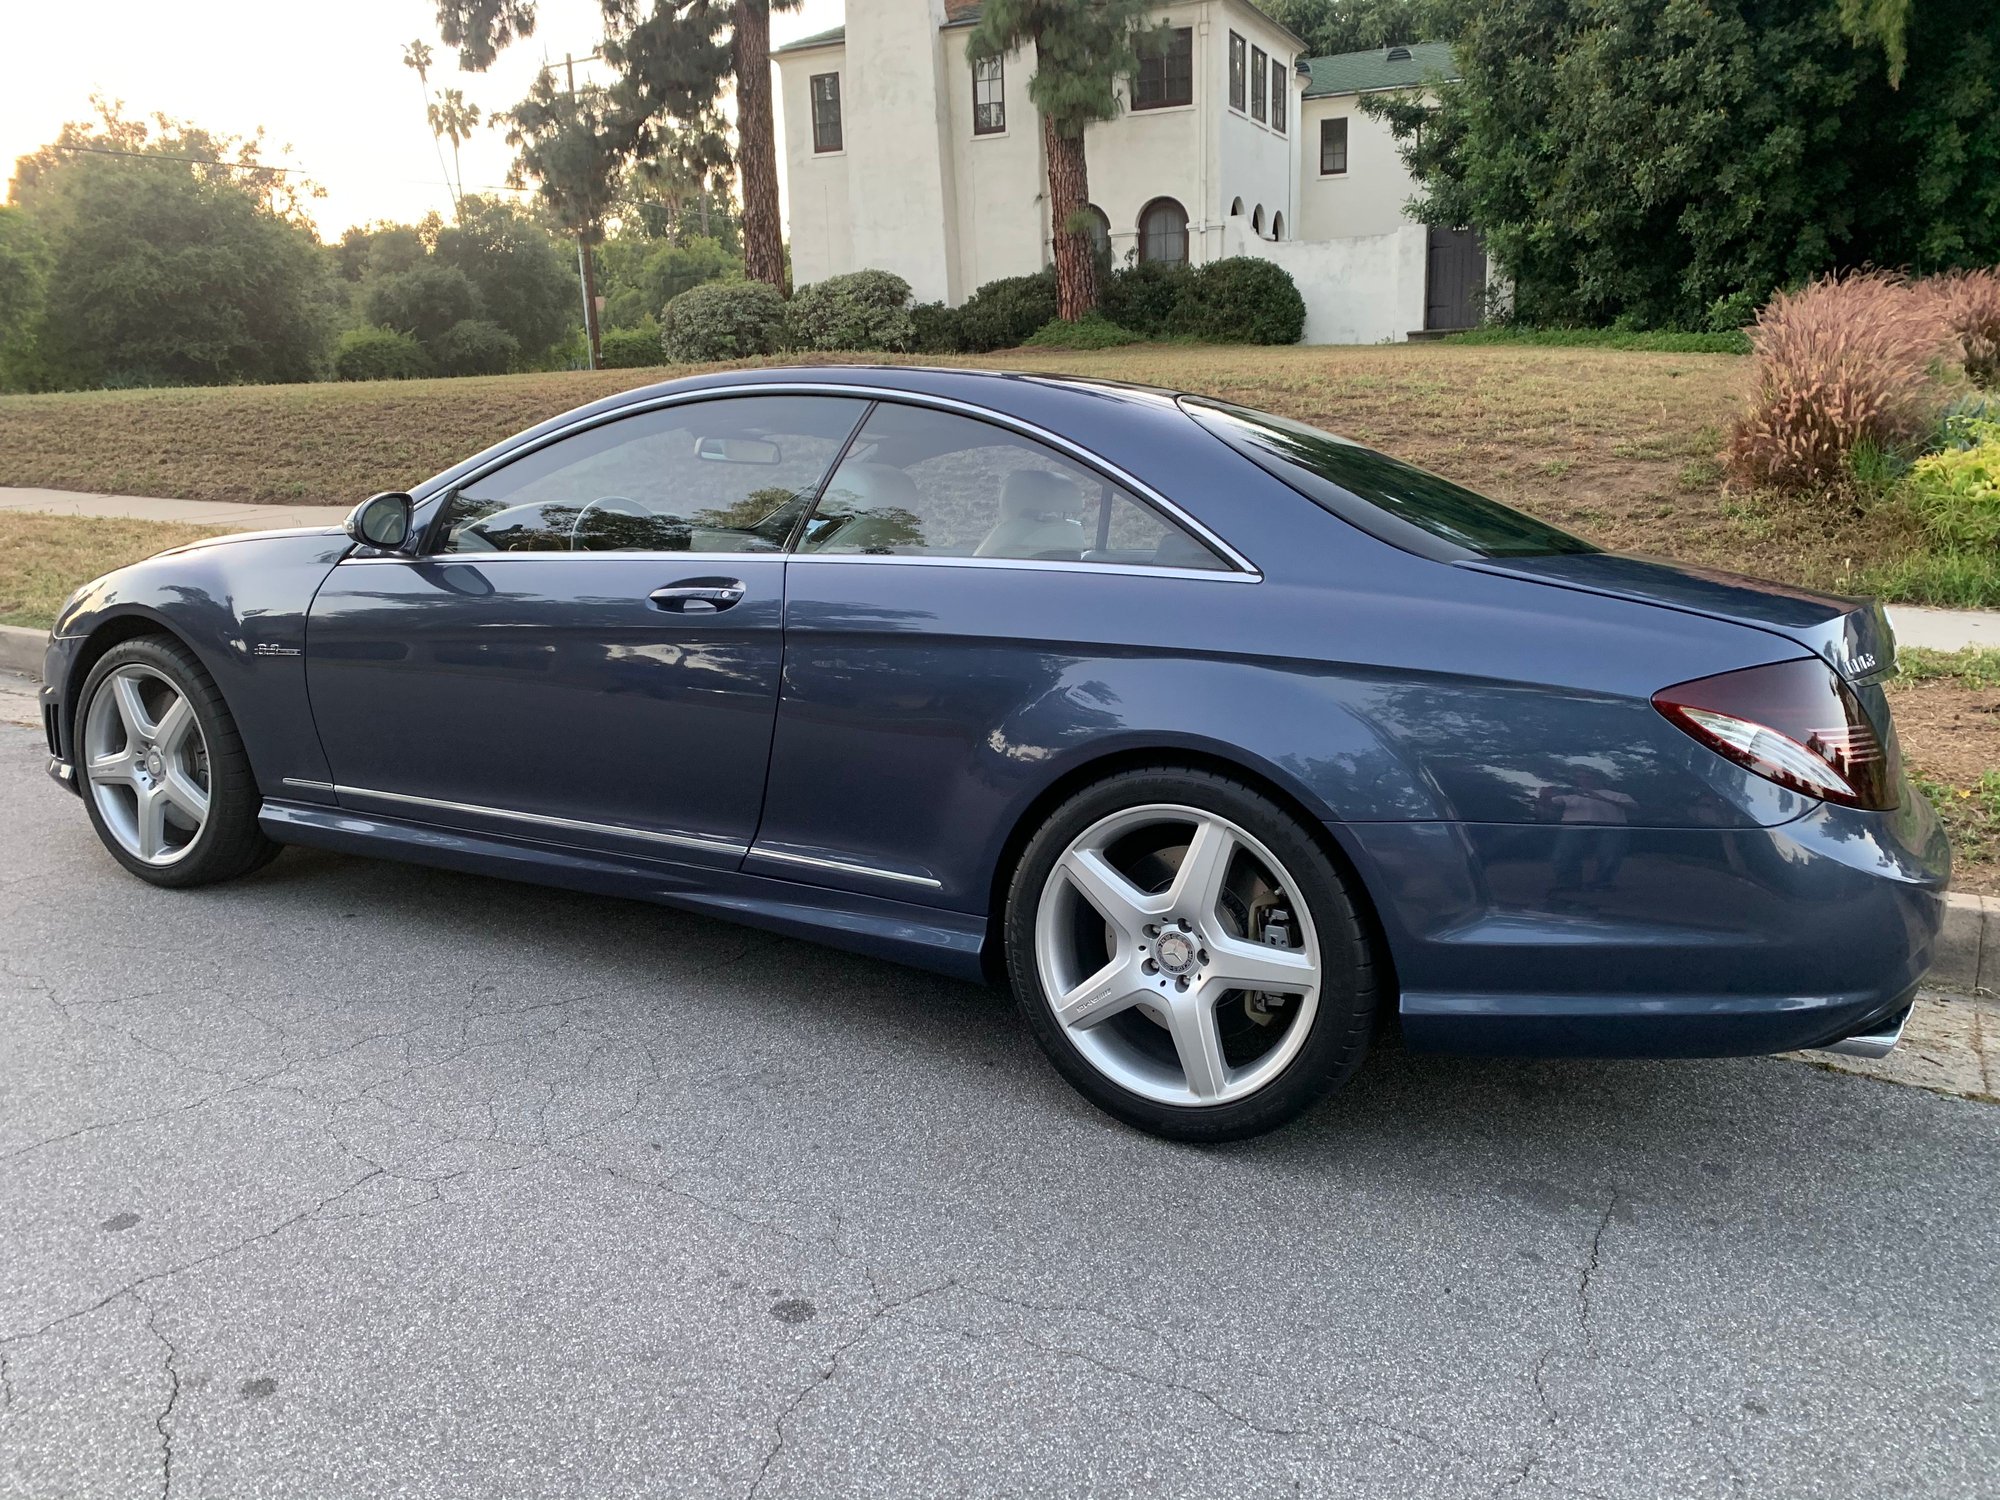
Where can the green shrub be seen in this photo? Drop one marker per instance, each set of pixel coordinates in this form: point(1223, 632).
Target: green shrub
point(1658, 340)
point(936, 329)
point(1141, 297)
point(426, 301)
point(379, 354)
point(1093, 331)
point(629, 348)
point(1956, 493)
point(860, 310)
point(1240, 299)
point(723, 320)
point(474, 347)
point(1003, 313)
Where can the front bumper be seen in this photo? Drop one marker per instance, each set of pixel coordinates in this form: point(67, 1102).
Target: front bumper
point(62, 769)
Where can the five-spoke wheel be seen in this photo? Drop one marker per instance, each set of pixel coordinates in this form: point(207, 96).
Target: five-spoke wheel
point(1188, 956)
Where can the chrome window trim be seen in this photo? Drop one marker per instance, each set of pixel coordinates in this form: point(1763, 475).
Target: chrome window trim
point(1028, 564)
point(480, 559)
point(704, 841)
point(845, 867)
point(1026, 429)
point(307, 786)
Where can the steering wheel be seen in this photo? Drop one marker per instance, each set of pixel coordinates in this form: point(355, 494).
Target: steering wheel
point(617, 505)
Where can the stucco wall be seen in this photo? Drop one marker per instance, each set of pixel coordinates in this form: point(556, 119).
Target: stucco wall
point(1357, 291)
point(898, 126)
point(1369, 199)
point(1252, 161)
point(816, 194)
point(1000, 223)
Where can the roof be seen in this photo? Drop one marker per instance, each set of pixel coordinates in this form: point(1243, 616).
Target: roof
point(818, 39)
point(1365, 72)
point(965, 13)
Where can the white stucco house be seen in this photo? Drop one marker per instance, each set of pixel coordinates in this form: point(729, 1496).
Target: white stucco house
point(902, 156)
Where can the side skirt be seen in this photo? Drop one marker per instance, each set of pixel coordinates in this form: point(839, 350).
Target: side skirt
point(945, 942)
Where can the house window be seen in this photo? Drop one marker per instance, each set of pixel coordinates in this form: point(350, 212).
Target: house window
point(826, 111)
point(1277, 226)
point(1237, 77)
point(1099, 230)
point(1163, 232)
point(1279, 91)
point(1166, 75)
point(989, 97)
point(1333, 147)
point(1259, 71)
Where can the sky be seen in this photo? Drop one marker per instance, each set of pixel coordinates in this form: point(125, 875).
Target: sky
point(326, 80)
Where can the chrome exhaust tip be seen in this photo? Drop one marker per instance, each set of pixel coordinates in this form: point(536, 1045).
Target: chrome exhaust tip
point(1879, 1040)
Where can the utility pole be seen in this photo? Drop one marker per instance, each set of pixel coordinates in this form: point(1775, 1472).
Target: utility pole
point(586, 267)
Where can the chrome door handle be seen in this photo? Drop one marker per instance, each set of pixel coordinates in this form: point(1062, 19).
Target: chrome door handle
point(698, 595)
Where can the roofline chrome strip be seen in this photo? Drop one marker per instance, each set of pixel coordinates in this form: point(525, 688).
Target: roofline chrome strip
point(845, 867)
point(1028, 564)
point(872, 393)
point(703, 841)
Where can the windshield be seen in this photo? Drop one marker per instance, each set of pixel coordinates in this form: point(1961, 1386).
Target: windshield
point(1384, 497)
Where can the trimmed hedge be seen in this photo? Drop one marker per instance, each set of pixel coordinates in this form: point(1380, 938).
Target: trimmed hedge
point(1092, 331)
point(1004, 313)
point(379, 354)
point(1141, 297)
point(475, 346)
point(723, 320)
point(1658, 340)
point(936, 329)
point(629, 348)
point(866, 310)
point(1240, 299)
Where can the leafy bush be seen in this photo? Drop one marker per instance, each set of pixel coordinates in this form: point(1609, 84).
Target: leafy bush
point(425, 302)
point(475, 346)
point(1846, 359)
point(936, 329)
point(1092, 332)
point(860, 310)
point(629, 348)
point(1240, 299)
point(1003, 313)
point(1971, 304)
point(1956, 493)
point(1656, 340)
point(723, 320)
point(1141, 297)
point(379, 354)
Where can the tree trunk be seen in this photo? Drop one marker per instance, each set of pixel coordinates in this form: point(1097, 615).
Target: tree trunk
point(587, 259)
point(1069, 197)
point(756, 146)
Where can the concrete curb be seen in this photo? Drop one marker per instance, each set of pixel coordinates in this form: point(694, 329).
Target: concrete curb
point(21, 650)
point(1968, 954)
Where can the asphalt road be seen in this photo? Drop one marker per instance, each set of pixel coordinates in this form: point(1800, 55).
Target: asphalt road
point(356, 1179)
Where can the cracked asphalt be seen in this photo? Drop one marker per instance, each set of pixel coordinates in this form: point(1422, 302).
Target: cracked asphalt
point(358, 1179)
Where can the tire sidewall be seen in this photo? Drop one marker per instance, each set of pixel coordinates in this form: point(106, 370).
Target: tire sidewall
point(1342, 1020)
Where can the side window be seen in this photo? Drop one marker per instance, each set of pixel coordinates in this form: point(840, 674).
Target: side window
point(922, 483)
point(730, 475)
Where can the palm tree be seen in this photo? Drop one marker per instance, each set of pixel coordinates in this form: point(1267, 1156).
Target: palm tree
point(454, 120)
point(417, 58)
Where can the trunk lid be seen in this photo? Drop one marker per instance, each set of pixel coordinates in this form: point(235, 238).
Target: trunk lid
point(1851, 635)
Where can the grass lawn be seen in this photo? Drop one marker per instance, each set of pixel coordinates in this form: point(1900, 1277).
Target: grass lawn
point(1617, 445)
point(42, 558)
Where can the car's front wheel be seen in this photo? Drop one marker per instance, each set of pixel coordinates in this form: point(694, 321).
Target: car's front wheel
point(1187, 955)
point(164, 773)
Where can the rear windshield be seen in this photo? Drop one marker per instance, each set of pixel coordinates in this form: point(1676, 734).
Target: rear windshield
point(1388, 499)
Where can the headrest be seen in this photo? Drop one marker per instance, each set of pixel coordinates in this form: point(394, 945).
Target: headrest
point(865, 487)
point(1038, 495)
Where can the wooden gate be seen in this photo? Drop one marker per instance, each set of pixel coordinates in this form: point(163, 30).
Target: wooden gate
point(1454, 279)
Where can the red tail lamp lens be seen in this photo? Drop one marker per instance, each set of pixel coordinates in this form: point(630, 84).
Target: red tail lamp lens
point(1794, 723)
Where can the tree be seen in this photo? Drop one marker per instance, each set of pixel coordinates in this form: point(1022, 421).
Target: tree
point(1083, 48)
point(454, 120)
point(24, 275)
point(1670, 163)
point(522, 277)
point(185, 262)
point(417, 58)
point(1328, 26)
point(676, 59)
point(423, 303)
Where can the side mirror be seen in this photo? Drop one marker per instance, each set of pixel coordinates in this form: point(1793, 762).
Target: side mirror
point(381, 520)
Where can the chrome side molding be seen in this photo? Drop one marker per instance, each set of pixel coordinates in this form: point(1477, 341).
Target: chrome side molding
point(1878, 1041)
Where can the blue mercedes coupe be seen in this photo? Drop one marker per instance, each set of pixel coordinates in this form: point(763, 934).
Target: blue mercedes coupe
point(1219, 738)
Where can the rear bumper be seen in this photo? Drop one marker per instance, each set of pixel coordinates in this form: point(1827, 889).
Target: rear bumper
point(1875, 1041)
point(1627, 942)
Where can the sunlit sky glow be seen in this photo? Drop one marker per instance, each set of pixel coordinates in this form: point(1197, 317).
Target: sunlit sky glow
point(327, 80)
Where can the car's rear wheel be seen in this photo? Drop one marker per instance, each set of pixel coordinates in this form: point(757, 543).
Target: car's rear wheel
point(165, 777)
point(1187, 955)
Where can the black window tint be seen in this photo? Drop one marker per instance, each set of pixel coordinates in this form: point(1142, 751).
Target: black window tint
point(923, 483)
point(730, 475)
point(1381, 495)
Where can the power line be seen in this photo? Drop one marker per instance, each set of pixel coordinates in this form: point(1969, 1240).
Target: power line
point(248, 166)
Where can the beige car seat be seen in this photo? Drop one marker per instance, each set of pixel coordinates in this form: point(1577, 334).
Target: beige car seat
point(1040, 513)
point(884, 505)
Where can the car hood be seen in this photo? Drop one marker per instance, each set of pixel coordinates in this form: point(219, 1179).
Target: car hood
point(249, 536)
point(1852, 635)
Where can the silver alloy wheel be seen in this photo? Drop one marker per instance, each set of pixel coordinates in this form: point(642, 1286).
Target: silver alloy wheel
point(147, 763)
point(1143, 1001)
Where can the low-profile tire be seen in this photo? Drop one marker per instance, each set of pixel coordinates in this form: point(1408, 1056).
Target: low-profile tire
point(1133, 908)
point(162, 768)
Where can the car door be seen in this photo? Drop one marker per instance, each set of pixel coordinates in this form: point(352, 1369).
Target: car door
point(966, 605)
point(587, 649)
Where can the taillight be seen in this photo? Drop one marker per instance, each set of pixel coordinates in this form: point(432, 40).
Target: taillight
point(1794, 723)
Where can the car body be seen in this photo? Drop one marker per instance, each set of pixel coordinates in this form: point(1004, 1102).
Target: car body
point(857, 744)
